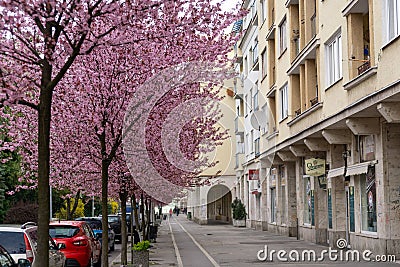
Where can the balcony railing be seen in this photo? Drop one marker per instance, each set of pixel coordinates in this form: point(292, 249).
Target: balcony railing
point(364, 67)
point(314, 101)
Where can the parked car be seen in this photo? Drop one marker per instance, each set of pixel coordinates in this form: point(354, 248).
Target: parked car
point(76, 239)
point(96, 225)
point(21, 243)
point(114, 220)
point(128, 222)
point(7, 261)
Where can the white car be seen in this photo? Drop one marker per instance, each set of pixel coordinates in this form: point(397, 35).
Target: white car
point(21, 243)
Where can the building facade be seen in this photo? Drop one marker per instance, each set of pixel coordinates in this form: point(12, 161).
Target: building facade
point(317, 120)
point(209, 199)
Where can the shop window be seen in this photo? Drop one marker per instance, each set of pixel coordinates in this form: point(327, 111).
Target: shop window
point(307, 201)
point(273, 204)
point(283, 194)
point(273, 176)
point(368, 200)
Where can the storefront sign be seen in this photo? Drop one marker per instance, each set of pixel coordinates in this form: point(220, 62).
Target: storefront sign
point(315, 167)
point(254, 174)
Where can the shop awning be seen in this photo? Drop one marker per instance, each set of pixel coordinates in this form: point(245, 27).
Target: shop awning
point(335, 172)
point(359, 168)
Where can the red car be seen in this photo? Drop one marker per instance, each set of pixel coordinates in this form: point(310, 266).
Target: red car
point(80, 246)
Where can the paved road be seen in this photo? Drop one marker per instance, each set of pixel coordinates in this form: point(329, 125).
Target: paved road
point(224, 245)
point(114, 255)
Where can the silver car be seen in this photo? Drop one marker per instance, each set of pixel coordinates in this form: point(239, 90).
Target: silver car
point(21, 243)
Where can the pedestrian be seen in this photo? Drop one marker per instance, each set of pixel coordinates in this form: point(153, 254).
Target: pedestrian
point(136, 237)
point(177, 212)
point(170, 213)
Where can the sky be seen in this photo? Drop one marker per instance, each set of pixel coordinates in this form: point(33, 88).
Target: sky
point(229, 4)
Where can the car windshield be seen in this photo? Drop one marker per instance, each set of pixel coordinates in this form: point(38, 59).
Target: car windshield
point(13, 242)
point(63, 231)
point(112, 219)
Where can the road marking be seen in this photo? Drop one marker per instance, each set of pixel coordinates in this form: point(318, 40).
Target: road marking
point(199, 246)
point(178, 255)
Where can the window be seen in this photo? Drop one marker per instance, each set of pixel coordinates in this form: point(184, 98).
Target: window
point(392, 19)
point(264, 128)
point(283, 93)
point(307, 201)
point(246, 104)
point(273, 176)
point(263, 10)
point(250, 103)
point(252, 141)
point(282, 36)
point(257, 146)
point(255, 100)
point(264, 63)
point(334, 59)
point(245, 66)
point(248, 144)
point(273, 204)
point(368, 200)
point(282, 174)
point(255, 52)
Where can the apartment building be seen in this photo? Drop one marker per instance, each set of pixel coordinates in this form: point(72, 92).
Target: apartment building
point(317, 120)
point(210, 196)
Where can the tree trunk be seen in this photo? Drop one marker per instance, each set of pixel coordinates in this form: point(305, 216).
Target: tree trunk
point(142, 206)
point(135, 212)
point(133, 206)
point(105, 163)
point(76, 202)
point(124, 241)
point(68, 209)
point(148, 203)
point(44, 119)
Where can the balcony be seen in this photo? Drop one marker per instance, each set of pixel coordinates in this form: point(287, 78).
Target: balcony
point(308, 52)
point(364, 67)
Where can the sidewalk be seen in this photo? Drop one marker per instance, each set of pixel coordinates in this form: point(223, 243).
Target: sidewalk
point(161, 254)
point(229, 246)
